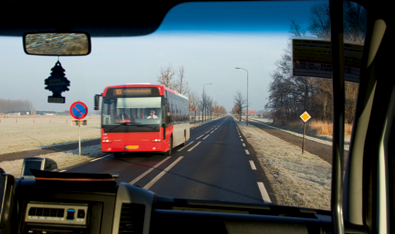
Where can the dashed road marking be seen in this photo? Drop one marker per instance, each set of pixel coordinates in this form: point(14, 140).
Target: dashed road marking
point(199, 137)
point(252, 165)
point(206, 137)
point(194, 146)
point(264, 194)
point(154, 180)
point(100, 158)
point(148, 171)
point(185, 146)
point(247, 152)
point(241, 139)
point(244, 144)
point(212, 131)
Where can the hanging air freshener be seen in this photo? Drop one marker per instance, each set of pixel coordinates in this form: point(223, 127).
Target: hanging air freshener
point(57, 83)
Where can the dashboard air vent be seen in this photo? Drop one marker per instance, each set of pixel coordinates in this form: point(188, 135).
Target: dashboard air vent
point(132, 219)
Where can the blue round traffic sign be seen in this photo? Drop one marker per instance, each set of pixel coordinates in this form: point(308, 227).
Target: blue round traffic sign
point(78, 110)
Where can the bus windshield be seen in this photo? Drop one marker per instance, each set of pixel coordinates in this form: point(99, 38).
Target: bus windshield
point(131, 111)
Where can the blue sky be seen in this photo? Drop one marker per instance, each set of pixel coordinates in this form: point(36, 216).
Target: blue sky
point(208, 39)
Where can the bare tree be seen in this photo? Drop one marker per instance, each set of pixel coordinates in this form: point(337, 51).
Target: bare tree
point(193, 102)
point(166, 77)
point(320, 22)
point(240, 103)
point(182, 84)
point(209, 107)
point(297, 30)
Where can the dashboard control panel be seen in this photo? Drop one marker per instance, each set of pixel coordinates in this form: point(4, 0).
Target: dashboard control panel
point(56, 213)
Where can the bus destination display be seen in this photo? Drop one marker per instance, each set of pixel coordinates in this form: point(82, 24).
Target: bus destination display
point(133, 92)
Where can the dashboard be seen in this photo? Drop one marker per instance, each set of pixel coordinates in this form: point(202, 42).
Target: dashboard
point(68, 203)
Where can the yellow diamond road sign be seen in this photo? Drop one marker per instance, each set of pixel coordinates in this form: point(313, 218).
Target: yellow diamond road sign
point(305, 116)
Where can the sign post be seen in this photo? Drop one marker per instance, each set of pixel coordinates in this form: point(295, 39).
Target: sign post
point(79, 110)
point(305, 117)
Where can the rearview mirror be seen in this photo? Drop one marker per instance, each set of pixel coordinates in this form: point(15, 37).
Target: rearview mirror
point(38, 163)
point(57, 44)
point(97, 99)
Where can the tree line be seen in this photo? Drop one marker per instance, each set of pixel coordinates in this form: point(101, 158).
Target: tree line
point(290, 96)
point(7, 105)
point(175, 79)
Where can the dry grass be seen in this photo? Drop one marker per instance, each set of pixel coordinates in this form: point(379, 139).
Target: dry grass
point(297, 180)
point(314, 127)
point(21, 134)
point(64, 159)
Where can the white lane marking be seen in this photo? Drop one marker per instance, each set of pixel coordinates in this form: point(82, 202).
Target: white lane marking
point(241, 139)
point(185, 146)
point(148, 171)
point(212, 131)
point(207, 131)
point(62, 171)
point(239, 135)
point(244, 144)
point(206, 137)
point(100, 158)
point(252, 165)
point(199, 137)
point(247, 152)
point(154, 180)
point(194, 146)
point(264, 194)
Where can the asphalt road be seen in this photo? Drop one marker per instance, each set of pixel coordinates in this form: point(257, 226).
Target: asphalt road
point(216, 164)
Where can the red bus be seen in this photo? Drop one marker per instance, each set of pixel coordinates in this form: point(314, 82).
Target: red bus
point(142, 118)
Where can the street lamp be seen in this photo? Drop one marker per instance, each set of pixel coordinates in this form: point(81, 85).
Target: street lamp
point(203, 100)
point(247, 92)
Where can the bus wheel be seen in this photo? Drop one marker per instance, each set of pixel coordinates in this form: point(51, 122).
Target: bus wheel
point(168, 153)
point(185, 142)
point(117, 154)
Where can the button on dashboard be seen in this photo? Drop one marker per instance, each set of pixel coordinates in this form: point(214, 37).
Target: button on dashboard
point(70, 214)
point(39, 212)
point(81, 214)
point(60, 213)
point(32, 211)
point(46, 212)
point(53, 212)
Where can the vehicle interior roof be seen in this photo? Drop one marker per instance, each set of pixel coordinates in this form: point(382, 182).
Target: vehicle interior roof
point(99, 19)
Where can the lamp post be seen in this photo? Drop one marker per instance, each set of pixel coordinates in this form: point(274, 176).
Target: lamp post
point(247, 93)
point(203, 100)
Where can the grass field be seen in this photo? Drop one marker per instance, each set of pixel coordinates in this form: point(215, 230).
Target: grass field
point(21, 134)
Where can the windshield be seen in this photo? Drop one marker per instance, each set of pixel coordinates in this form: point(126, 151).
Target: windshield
point(242, 126)
point(131, 110)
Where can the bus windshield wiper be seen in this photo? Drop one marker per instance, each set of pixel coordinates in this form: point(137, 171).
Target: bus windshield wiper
point(142, 125)
point(123, 124)
point(130, 123)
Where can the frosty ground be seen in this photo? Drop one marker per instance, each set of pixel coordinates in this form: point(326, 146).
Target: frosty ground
point(302, 180)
